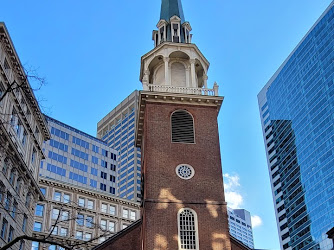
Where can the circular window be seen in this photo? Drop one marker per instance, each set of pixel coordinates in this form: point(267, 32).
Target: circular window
point(185, 171)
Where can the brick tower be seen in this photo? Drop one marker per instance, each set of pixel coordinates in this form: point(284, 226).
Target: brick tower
point(183, 203)
point(183, 198)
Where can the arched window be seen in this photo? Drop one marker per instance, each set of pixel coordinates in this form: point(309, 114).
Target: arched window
point(182, 127)
point(188, 229)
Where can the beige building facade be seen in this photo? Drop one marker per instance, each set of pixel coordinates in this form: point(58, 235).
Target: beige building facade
point(83, 217)
point(22, 133)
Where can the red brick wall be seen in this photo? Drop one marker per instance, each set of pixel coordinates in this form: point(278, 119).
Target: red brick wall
point(129, 241)
point(237, 246)
point(161, 182)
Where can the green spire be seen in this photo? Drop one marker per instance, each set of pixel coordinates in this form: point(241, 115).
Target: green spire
point(171, 8)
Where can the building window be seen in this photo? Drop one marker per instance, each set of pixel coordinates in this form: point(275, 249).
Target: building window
point(132, 215)
point(8, 201)
point(187, 229)
point(18, 185)
point(4, 228)
point(24, 223)
point(55, 230)
point(13, 212)
point(66, 198)
point(37, 226)
point(88, 236)
point(12, 176)
point(79, 235)
point(90, 204)
point(103, 187)
point(43, 190)
point(63, 231)
point(104, 208)
point(57, 196)
point(125, 213)
point(112, 210)
point(80, 219)
point(2, 191)
point(124, 226)
point(103, 175)
point(33, 155)
point(22, 245)
point(35, 245)
point(182, 127)
point(28, 198)
point(89, 221)
point(65, 215)
point(39, 211)
point(55, 213)
point(103, 224)
point(81, 202)
point(111, 226)
point(10, 234)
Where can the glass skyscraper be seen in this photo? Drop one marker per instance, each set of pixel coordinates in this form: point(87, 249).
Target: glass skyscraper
point(77, 158)
point(297, 115)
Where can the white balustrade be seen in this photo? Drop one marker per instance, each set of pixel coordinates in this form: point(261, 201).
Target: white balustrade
point(182, 90)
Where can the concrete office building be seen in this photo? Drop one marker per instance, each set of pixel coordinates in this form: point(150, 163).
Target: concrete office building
point(240, 226)
point(78, 179)
point(117, 129)
point(86, 216)
point(22, 132)
point(297, 107)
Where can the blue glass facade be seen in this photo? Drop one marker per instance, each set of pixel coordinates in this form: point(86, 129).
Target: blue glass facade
point(297, 113)
point(79, 159)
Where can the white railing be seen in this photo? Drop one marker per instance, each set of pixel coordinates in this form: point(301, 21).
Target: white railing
point(182, 90)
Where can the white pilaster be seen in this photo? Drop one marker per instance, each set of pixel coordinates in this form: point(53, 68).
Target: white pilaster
point(167, 80)
point(193, 73)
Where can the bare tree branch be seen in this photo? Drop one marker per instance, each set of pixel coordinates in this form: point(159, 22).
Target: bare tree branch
point(31, 238)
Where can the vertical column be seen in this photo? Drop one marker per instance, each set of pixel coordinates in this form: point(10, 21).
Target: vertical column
point(146, 80)
point(193, 73)
point(167, 80)
point(205, 81)
point(187, 76)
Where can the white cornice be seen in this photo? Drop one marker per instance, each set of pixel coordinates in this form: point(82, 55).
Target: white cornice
point(82, 190)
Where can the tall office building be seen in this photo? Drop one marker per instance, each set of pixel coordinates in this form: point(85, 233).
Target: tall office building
point(297, 107)
point(240, 226)
point(78, 179)
point(117, 129)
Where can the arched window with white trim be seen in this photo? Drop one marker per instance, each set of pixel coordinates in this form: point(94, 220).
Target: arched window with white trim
point(187, 229)
point(182, 127)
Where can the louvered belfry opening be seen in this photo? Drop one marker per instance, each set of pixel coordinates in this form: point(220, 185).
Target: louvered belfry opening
point(182, 127)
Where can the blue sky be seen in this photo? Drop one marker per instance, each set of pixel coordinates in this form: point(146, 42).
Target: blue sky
point(90, 53)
